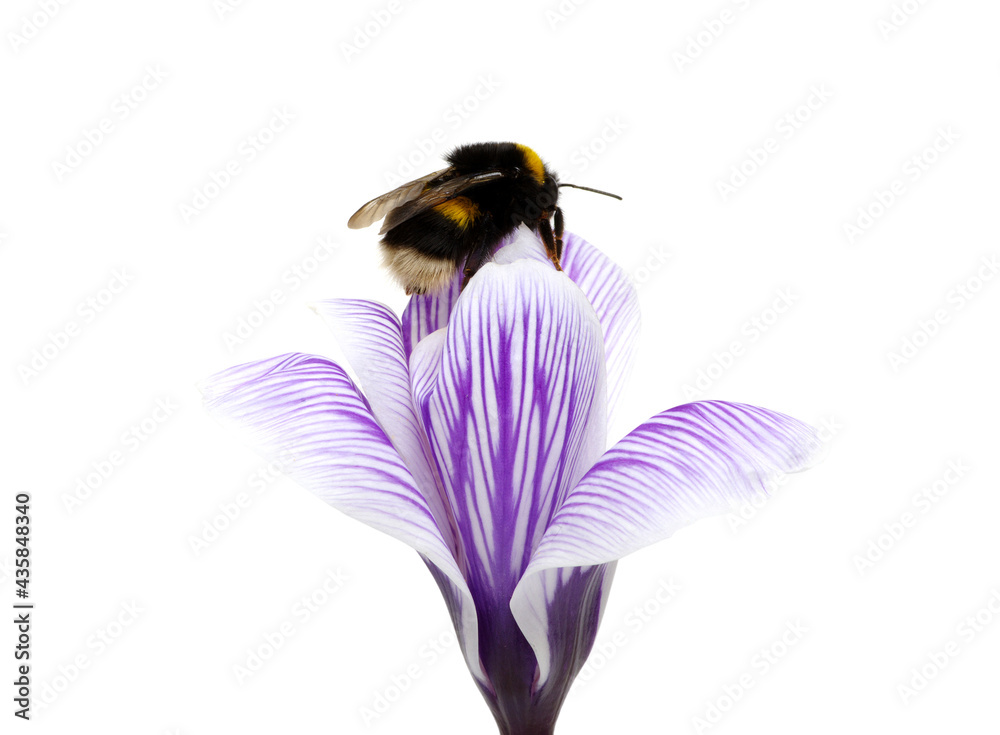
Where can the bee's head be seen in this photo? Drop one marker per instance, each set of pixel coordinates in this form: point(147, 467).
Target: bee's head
point(549, 193)
point(535, 201)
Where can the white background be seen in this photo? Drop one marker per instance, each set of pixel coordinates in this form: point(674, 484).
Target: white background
point(601, 92)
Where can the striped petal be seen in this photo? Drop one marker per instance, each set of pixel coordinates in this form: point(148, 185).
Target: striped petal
point(558, 611)
point(686, 463)
point(607, 287)
point(613, 297)
point(516, 416)
point(305, 413)
point(370, 335)
point(524, 244)
point(683, 464)
point(425, 365)
point(426, 313)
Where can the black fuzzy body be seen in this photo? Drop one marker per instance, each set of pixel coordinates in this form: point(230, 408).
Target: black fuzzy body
point(526, 193)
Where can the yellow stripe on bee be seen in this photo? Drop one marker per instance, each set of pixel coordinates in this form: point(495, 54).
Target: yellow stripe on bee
point(533, 162)
point(460, 210)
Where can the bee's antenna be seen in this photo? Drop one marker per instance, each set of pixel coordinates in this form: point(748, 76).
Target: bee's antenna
point(596, 191)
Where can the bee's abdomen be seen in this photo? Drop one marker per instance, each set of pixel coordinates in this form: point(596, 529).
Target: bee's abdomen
point(424, 252)
point(417, 272)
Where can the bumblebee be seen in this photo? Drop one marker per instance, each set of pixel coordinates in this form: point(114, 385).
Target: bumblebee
point(458, 216)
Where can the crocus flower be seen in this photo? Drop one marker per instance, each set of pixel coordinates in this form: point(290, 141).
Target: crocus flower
point(478, 437)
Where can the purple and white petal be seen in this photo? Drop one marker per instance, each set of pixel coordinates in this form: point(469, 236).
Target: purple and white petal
point(516, 416)
point(513, 415)
point(613, 297)
point(425, 366)
point(304, 412)
point(558, 611)
point(426, 313)
point(524, 244)
point(370, 335)
point(605, 284)
point(684, 464)
point(465, 619)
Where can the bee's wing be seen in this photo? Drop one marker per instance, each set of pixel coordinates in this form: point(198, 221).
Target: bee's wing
point(377, 208)
point(438, 194)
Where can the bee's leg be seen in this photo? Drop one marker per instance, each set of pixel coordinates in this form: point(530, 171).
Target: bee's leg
point(545, 230)
point(467, 275)
point(558, 232)
point(472, 264)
